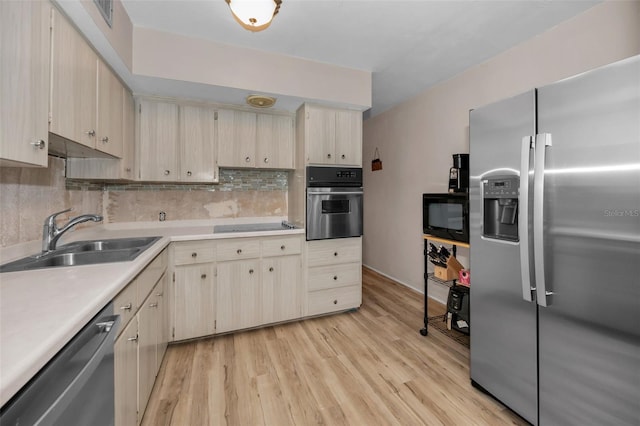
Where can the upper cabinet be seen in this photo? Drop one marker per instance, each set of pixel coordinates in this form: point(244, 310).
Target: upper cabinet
point(247, 139)
point(24, 82)
point(109, 114)
point(73, 84)
point(176, 142)
point(332, 136)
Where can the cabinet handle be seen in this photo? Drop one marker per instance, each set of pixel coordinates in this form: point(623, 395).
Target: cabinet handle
point(128, 170)
point(328, 155)
point(239, 251)
point(194, 254)
point(39, 144)
point(153, 305)
point(133, 339)
point(343, 156)
point(271, 269)
point(335, 278)
point(335, 253)
point(91, 133)
point(266, 160)
point(282, 247)
point(126, 307)
point(160, 294)
point(335, 302)
point(105, 139)
point(189, 173)
point(203, 276)
point(167, 172)
point(251, 271)
point(247, 159)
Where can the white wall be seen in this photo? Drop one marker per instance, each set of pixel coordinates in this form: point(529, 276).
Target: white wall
point(416, 139)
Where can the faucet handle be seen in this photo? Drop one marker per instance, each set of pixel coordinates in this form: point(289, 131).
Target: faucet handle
point(51, 218)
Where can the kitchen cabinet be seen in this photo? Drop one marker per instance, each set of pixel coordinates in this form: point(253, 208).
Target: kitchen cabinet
point(239, 294)
point(198, 144)
point(334, 275)
point(24, 82)
point(332, 136)
point(236, 138)
point(111, 168)
point(73, 84)
point(157, 143)
point(194, 289)
point(148, 319)
point(125, 353)
point(247, 139)
point(109, 114)
point(281, 290)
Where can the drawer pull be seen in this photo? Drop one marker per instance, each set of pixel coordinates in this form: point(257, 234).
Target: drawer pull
point(247, 159)
point(189, 173)
point(126, 307)
point(160, 294)
point(328, 155)
point(271, 269)
point(335, 253)
point(251, 271)
point(153, 305)
point(203, 276)
point(167, 172)
point(239, 251)
point(335, 278)
point(282, 247)
point(343, 156)
point(133, 339)
point(335, 302)
point(194, 254)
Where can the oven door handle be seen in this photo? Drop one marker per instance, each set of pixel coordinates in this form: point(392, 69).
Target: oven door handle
point(335, 193)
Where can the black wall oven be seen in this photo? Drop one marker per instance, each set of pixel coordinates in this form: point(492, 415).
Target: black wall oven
point(334, 202)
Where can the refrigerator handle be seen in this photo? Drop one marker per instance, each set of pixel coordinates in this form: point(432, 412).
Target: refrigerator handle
point(543, 140)
point(528, 290)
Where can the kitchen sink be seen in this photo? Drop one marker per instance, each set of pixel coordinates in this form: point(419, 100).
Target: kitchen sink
point(84, 253)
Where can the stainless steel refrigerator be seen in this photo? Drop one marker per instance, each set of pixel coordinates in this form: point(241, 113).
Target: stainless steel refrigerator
point(555, 249)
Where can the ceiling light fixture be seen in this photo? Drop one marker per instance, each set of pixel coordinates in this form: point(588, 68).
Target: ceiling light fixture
point(254, 15)
point(260, 101)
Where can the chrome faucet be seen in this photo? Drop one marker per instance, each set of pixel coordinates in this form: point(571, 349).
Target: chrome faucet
point(51, 233)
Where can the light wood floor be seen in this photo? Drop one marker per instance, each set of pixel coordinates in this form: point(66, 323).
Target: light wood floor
point(369, 367)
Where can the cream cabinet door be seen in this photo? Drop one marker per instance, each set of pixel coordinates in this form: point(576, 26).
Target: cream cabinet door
point(197, 144)
point(125, 354)
point(109, 116)
point(195, 301)
point(127, 164)
point(147, 349)
point(162, 298)
point(236, 138)
point(73, 84)
point(158, 141)
point(275, 147)
point(281, 288)
point(24, 82)
point(320, 135)
point(348, 148)
point(239, 294)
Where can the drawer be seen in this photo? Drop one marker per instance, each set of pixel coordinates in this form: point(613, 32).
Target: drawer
point(281, 246)
point(190, 252)
point(238, 248)
point(151, 274)
point(330, 252)
point(126, 303)
point(332, 276)
point(335, 299)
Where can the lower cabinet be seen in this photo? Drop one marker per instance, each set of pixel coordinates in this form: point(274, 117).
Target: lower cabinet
point(239, 295)
point(140, 346)
point(281, 287)
point(194, 302)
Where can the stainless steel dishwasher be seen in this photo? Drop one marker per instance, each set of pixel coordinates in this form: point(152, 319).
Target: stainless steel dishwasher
point(76, 387)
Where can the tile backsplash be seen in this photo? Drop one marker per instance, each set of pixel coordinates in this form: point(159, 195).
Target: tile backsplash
point(28, 195)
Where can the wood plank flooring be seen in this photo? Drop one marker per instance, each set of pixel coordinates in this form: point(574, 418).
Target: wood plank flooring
point(369, 367)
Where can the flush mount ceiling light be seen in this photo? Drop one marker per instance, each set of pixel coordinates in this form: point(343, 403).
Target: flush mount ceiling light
point(260, 101)
point(254, 15)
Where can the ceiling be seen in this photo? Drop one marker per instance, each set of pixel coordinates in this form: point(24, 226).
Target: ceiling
point(407, 45)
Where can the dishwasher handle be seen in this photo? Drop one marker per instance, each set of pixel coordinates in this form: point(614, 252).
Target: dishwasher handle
point(107, 326)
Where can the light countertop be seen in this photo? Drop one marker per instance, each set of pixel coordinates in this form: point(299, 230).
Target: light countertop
point(41, 310)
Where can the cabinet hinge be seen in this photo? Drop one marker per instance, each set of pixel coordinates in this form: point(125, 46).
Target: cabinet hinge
point(215, 324)
point(50, 117)
point(215, 115)
point(174, 277)
point(215, 271)
point(307, 115)
point(140, 108)
point(173, 332)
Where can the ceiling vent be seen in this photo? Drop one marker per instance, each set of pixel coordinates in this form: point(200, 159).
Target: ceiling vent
point(106, 10)
point(260, 101)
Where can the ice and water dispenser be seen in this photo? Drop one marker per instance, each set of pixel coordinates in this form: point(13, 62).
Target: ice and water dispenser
point(500, 215)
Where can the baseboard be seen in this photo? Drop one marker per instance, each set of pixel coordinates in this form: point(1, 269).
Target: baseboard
point(394, 279)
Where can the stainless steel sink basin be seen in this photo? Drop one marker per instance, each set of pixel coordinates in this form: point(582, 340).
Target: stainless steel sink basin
point(84, 253)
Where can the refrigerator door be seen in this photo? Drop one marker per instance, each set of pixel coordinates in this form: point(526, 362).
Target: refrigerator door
point(589, 335)
point(503, 340)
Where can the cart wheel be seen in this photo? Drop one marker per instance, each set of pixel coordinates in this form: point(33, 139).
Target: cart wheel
point(424, 331)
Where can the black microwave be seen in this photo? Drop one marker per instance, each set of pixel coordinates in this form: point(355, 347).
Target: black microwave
point(446, 215)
